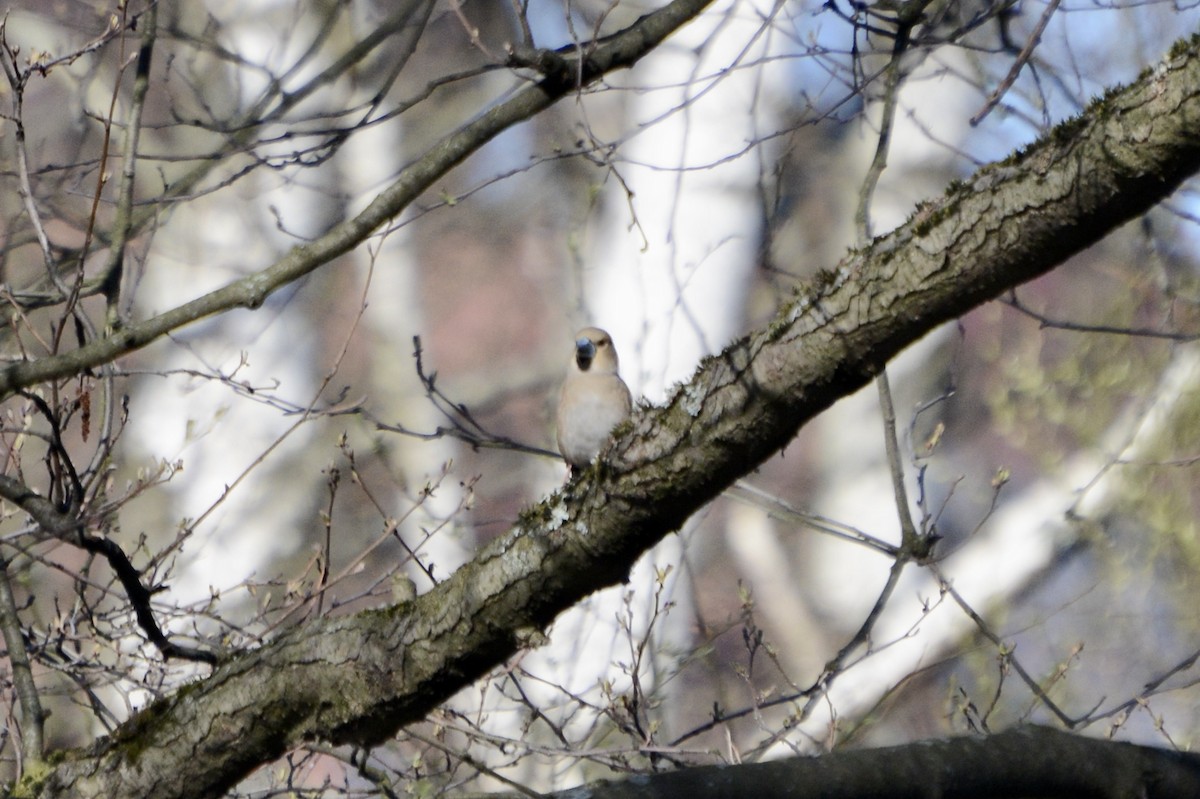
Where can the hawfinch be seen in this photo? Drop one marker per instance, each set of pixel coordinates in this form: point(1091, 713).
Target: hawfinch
point(594, 399)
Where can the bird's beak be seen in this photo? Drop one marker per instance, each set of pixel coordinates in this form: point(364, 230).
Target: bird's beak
point(585, 351)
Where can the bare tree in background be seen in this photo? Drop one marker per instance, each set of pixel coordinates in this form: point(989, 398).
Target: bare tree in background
point(289, 289)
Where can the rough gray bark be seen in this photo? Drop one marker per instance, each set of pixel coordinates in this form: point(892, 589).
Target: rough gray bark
point(362, 677)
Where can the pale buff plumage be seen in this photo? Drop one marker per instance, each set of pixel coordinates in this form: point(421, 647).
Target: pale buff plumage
point(594, 399)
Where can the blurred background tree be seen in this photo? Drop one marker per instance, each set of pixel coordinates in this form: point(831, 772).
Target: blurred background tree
point(289, 375)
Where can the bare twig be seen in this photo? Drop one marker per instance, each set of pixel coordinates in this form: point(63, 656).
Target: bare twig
point(53, 523)
point(17, 81)
point(860, 638)
point(123, 222)
point(986, 631)
point(784, 511)
point(910, 540)
point(1012, 301)
point(1022, 58)
point(335, 477)
point(32, 716)
point(462, 423)
point(1148, 690)
point(912, 543)
point(474, 763)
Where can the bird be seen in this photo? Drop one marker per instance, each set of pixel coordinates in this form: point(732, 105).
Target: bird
point(594, 399)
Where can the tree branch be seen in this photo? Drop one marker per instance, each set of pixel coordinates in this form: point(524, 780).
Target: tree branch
point(32, 717)
point(54, 523)
point(1029, 761)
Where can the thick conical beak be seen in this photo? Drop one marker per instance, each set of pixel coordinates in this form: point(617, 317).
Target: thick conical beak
point(585, 351)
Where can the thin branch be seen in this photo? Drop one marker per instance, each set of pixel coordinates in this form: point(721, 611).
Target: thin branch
point(780, 509)
point(1012, 301)
point(860, 638)
point(32, 716)
point(140, 597)
point(1022, 58)
point(910, 541)
point(821, 685)
point(123, 221)
point(463, 424)
point(891, 92)
point(1148, 690)
point(335, 477)
point(17, 81)
point(474, 763)
point(53, 523)
point(986, 631)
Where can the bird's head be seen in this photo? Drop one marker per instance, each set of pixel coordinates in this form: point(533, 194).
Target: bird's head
point(594, 351)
